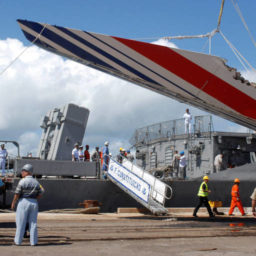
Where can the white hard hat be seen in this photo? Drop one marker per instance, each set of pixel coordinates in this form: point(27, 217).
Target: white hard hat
point(106, 143)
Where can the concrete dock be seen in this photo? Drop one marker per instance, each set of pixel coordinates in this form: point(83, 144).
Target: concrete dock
point(134, 233)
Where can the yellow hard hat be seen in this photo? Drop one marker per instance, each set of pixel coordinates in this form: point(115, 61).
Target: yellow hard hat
point(205, 178)
point(237, 180)
point(121, 149)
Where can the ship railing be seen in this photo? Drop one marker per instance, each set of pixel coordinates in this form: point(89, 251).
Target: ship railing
point(170, 129)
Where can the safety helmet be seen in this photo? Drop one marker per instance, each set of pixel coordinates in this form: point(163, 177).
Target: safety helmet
point(27, 168)
point(205, 178)
point(120, 149)
point(181, 152)
point(76, 144)
point(236, 180)
point(128, 151)
point(106, 143)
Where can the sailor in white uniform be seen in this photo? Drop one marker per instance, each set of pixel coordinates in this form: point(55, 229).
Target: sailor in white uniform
point(27, 192)
point(188, 121)
point(3, 157)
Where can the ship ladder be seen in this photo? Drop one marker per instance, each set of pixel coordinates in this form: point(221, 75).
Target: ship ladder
point(140, 185)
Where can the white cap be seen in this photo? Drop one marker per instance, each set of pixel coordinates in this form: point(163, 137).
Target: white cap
point(27, 168)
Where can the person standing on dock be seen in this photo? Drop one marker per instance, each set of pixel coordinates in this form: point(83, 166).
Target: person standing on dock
point(188, 122)
point(27, 192)
point(3, 157)
point(235, 201)
point(203, 197)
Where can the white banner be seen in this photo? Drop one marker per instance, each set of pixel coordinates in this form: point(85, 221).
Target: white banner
point(129, 180)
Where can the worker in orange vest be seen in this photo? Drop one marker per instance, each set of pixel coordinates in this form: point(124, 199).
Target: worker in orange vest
point(236, 199)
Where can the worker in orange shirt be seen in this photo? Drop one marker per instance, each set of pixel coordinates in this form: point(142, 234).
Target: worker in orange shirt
point(236, 199)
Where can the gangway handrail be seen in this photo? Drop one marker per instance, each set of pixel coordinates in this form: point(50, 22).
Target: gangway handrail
point(153, 186)
point(137, 187)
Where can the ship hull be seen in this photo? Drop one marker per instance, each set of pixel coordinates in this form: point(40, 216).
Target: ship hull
point(68, 193)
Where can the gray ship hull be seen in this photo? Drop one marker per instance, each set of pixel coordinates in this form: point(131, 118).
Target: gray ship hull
point(68, 193)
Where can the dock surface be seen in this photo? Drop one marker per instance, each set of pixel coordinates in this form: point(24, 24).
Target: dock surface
point(134, 233)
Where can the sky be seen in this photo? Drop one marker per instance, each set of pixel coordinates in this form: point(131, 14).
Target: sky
point(39, 81)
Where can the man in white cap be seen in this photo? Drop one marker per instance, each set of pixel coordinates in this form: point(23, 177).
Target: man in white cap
point(27, 192)
point(3, 157)
point(75, 153)
point(105, 154)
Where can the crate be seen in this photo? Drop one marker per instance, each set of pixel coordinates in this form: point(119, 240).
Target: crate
point(215, 204)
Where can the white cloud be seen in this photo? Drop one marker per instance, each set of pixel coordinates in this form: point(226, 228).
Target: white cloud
point(250, 75)
point(165, 42)
point(39, 81)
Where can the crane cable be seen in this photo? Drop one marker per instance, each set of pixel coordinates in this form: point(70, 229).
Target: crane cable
point(220, 15)
point(239, 56)
point(23, 51)
point(243, 21)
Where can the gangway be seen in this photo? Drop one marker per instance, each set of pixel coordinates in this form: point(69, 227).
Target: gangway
point(140, 185)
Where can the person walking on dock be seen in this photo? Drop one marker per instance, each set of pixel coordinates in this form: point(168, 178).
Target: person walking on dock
point(235, 200)
point(203, 197)
point(27, 192)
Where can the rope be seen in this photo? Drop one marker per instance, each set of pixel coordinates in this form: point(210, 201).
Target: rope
point(243, 21)
point(22, 52)
point(238, 54)
point(220, 15)
point(187, 37)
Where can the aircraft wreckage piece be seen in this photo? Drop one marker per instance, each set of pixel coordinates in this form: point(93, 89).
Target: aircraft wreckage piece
point(201, 80)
